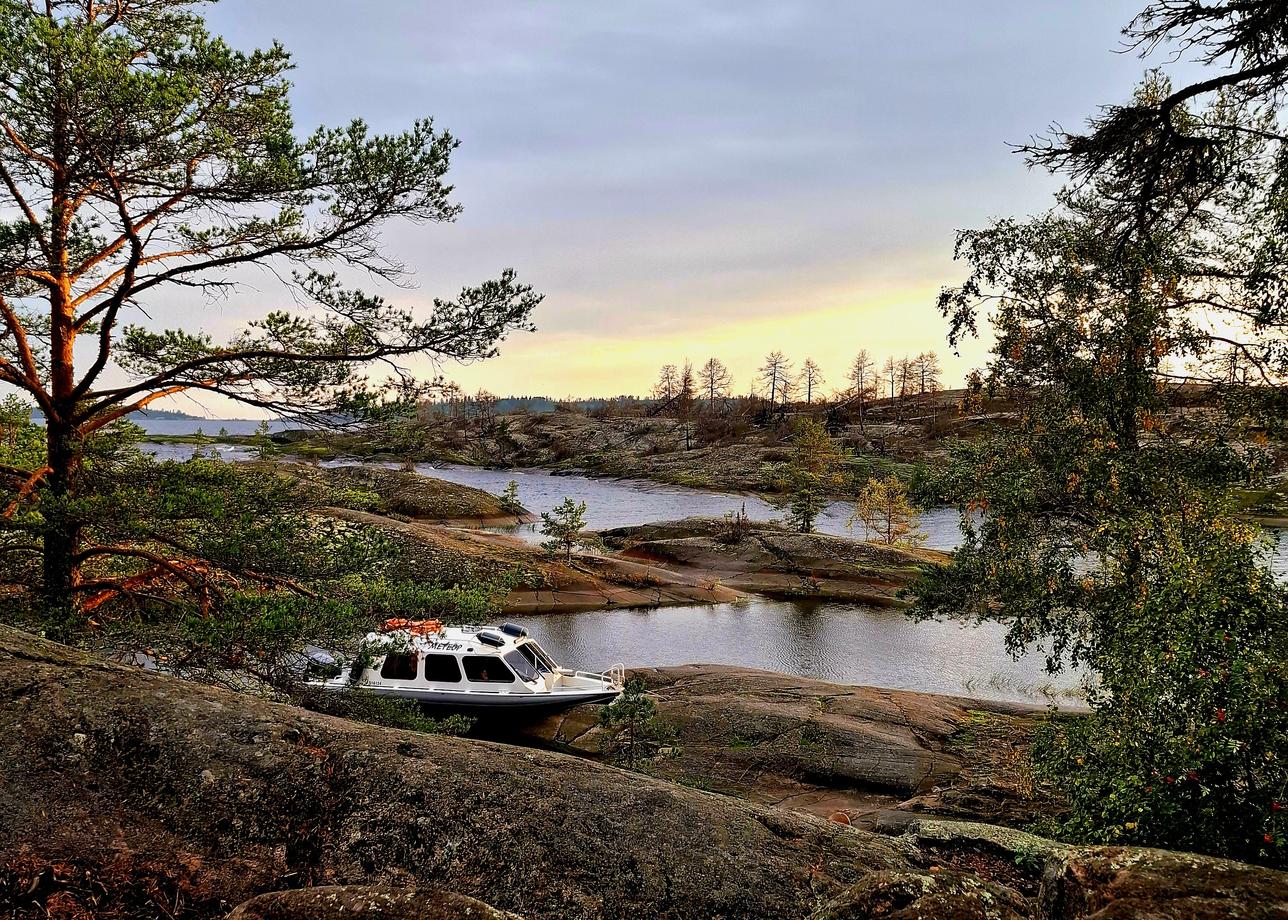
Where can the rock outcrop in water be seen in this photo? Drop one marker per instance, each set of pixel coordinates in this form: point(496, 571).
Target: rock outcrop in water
point(132, 794)
point(405, 494)
point(546, 583)
point(773, 560)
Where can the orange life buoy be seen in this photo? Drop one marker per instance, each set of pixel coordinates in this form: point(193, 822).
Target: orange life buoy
point(415, 627)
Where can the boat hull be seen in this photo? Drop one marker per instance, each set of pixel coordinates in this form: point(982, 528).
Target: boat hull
point(502, 705)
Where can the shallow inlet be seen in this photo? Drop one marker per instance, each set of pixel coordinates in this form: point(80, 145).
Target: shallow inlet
point(843, 643)
point(627, 502)
point(840, 643)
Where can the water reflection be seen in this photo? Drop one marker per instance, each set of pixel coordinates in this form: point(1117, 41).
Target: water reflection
point(835, 642)
point(840, 643)
point(629, 502)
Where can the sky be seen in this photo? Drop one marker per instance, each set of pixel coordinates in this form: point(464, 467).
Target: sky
point(698, 178)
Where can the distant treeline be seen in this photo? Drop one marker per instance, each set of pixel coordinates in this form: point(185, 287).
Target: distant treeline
point(38, 416)
point(456, 403)
point(777, 383)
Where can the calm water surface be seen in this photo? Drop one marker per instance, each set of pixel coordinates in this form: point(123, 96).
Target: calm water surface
point(186, 451)
point(841, 643)
point(627, 502)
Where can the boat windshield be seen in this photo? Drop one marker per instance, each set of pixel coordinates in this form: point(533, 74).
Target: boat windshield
point(537, 658)
point(522, 665)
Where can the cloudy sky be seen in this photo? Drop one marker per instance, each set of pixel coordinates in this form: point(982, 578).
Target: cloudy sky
point(685, 179)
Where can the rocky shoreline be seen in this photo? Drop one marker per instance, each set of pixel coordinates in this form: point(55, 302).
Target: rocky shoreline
point(770, 559)
point(403, 495)
point(827, 749)
point(545, 583)
point(128, 794)
point(694, 561)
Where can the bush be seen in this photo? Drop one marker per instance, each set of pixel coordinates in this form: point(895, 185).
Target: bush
point(362, 705)
point(633, 733)
point(715, 429)
point(1188, 744)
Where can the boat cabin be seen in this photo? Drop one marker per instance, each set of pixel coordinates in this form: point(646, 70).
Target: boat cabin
point(471, 668)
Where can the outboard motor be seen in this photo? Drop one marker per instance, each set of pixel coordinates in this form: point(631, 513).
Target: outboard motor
point(320, 663)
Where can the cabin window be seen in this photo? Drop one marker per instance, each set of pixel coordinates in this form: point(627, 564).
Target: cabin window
point(399, 666)
point(522, 666)
point(484, 669)
point(442, 668)
point(534, 658)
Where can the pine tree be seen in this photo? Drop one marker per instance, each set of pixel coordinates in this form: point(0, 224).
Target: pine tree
point(813, 475)
point(668, 383)
point(565, 526)
point(776, 376)
point(862, 380)
point(811, 379)
point(714, 381)
point(141, 155)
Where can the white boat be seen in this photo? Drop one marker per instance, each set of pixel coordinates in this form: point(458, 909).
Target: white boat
point(471, 669)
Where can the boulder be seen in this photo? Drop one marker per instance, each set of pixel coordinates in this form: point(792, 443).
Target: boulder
point(1113, 883)
point(941, 895)
point(404, 493)
point(771, 559)
point(1102, 882)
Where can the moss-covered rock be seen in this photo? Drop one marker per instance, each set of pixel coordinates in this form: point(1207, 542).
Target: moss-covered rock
point(366, 902)
point(774, 560)
point(402, 493)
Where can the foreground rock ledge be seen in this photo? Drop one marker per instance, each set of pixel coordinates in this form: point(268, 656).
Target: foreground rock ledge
point(824, 748)
point(130, 794)
point(143, 782)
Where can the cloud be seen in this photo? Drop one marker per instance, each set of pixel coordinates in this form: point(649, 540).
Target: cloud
point(706, 175)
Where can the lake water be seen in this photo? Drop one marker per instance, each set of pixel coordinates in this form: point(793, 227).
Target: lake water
point(841, 643)
point(627, 502)
point(181, 452)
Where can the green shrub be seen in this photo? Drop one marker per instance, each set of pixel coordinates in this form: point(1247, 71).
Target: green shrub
point(632, 731)
point(1188, 744)
point(363, 705)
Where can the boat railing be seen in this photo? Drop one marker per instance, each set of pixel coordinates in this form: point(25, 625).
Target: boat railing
point(616, 675)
